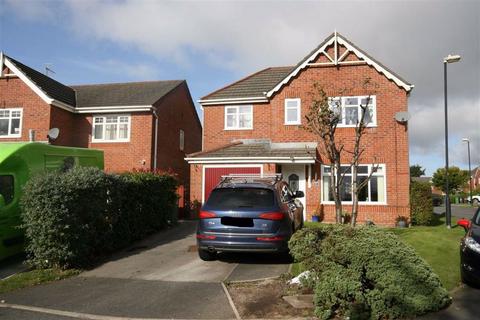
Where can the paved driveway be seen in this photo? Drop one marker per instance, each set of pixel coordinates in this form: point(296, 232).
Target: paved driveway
point(459, 211)
point(160, 278)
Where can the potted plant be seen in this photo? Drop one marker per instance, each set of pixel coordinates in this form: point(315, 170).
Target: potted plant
point(401, 222)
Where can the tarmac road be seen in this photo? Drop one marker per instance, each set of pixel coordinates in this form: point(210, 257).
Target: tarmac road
point(160, 278)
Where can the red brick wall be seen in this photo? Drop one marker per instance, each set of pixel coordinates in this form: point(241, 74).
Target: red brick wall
point(66, 122)
point(176, 111)
point(122, 156)
point(14, 93)
point(387, 143)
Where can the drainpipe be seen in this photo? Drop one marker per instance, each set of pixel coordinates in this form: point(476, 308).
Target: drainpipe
point(155, 143)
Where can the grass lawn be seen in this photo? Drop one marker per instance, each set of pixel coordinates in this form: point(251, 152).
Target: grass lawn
point(34, 277)
point(439, 246)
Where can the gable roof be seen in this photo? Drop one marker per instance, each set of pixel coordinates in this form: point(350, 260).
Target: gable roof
point(50, 87)
point(123, 94)
point(111, 97)
point(265, 83)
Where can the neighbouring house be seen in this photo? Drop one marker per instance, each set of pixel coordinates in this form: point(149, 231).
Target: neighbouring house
point(139, 125)
point(475, 178)
point(254, 126)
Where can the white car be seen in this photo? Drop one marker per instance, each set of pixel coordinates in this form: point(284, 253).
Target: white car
point(475, 200)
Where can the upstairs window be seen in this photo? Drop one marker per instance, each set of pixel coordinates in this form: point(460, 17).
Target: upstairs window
point(111, 128)
point(292, 111)
point(10, 123)
point(238, 117)
point(350, 111)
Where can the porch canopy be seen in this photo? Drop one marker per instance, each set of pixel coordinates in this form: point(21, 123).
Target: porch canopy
point(258, 151)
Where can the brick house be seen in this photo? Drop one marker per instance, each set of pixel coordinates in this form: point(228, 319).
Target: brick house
point(254, 126)
point(138, 125)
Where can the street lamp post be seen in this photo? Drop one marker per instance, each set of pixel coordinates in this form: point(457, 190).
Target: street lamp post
point(448, 209)
point(469, 169)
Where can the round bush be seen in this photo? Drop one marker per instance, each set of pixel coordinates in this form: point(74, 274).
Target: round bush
point(366, 272)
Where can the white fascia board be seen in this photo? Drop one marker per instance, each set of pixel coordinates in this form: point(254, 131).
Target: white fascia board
point(62, 105)
point(377, 67)
point(115, 107)
point(300, 67)
point(113, 110)
point(399, 82)
point(251, 161)
point(28, 82)
point(210, 102)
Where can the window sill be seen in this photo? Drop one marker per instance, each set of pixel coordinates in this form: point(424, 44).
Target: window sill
point(360, 203)
point(11, 137)
point(110, 141)
point(293, 124)
point(237, 129)
point(354, 126)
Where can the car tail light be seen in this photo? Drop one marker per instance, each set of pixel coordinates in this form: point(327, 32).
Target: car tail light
point(206, 215)
point(205, 237)
point(272, 216)
point(270, 238)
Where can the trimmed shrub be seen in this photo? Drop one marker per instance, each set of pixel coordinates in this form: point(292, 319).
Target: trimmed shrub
point(366, 272)
point(421, 203)
point(71, 218)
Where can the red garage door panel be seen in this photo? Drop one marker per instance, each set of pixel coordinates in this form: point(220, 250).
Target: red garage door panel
point(213, 176)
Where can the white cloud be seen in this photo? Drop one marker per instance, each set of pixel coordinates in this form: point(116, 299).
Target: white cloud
point(427, 130)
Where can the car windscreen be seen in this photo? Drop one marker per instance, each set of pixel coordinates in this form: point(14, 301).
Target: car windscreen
point(237, 198)
point(476, 218)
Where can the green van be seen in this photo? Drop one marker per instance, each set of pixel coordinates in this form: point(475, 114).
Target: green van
point(18, 162)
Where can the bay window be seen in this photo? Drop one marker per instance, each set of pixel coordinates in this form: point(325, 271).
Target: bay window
point(111, 128)
point(374, 192)
point(10, 123)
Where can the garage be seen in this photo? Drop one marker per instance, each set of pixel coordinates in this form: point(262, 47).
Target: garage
point(213, 174)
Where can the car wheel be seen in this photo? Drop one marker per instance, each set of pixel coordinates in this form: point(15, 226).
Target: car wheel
point(475, 202)
point(206, 255)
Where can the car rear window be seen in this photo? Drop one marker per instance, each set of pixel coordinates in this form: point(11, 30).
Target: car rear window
point(235, 198)
point(476, 219)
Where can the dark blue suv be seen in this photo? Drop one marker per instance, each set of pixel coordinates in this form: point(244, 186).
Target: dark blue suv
point(251, 213)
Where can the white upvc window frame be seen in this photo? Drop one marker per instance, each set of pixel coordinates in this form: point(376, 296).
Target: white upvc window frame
point(237, 113)
point(298, 108)
point(10, 118)
point(343, 99)
point(104, 124)
point(370, 166)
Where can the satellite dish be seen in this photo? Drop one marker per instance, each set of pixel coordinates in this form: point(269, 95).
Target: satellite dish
point(402, 116)
point(53, 134)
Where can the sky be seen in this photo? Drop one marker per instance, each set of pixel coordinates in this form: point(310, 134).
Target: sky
point(213, 43)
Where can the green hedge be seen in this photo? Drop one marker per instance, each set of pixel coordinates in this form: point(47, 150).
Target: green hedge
point(71, 218)
point(366, 273)
point(421, 203)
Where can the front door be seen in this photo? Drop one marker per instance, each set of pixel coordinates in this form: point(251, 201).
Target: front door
point(294, 175)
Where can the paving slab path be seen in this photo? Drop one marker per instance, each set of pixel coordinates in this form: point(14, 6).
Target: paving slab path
point(159, 278)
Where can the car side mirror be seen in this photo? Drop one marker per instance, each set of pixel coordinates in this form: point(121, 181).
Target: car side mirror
point(464, 223)
point(2, 201)
point(299, 194)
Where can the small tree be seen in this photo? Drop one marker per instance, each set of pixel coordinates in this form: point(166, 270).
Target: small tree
point(456, 178)
point(416, 171)
point(322, 120)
